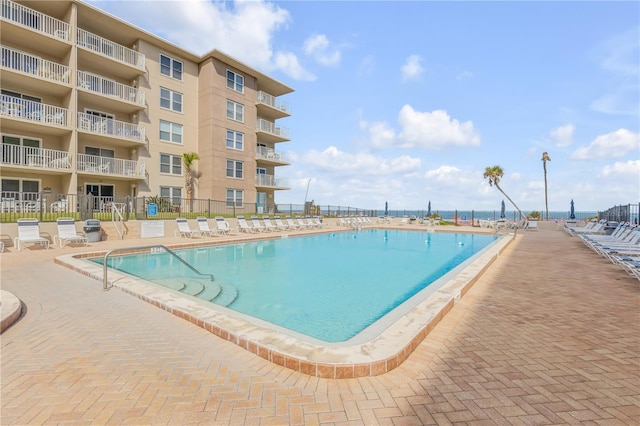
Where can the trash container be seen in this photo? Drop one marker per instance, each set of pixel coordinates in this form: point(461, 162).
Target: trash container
point(610, 227)
point(91, 230)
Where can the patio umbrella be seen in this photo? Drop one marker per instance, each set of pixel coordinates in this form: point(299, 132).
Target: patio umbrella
point(572, 212)
point(429, 208)
point(386, 208)
point(502, 210)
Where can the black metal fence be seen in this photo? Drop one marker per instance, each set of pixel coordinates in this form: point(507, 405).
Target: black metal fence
point(621, 213)
point(47, 207)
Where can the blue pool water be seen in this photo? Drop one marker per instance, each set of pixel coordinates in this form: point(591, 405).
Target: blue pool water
point(327, 286)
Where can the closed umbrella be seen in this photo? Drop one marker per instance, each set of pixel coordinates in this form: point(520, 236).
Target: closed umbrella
point(429, 208)
point(502, 210)
point(572, 212)
point(386, 208)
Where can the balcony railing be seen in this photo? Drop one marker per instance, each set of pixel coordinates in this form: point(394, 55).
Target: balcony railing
point(269, 154)
point(270, 180)
point(29, 64)
point(107, 126)
point(110, 166)
point(270, 127)
point(108, 87)
point(107, 48)
point(34, 20)
point(33, 111)
point(42, 158)
point(272, 101)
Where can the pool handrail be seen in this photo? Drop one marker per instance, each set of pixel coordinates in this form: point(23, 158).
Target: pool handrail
point(105, 268)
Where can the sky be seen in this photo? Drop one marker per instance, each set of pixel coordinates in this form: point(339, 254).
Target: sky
point(408, 102)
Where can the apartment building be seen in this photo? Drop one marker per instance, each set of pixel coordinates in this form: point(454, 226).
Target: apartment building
point(91, 104)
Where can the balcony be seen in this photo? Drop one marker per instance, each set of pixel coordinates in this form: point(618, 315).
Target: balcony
point(271, 107)
point(38, 158)
point(107, 127)
point(33, 112)
point(109, 56)
point(269, 155)
point(32, 20)
point(270, 181)
point(111, 167)
point(112, 90)
point(270, 133)
point(23, 66)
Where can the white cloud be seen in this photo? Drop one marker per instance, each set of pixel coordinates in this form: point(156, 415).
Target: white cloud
point(367, 66)
point(464, 74)
point(342, 163)
point(412, 68)
point(562, 136)
point(317, 46)
point(630, 170)
point(612, 145)
point(242, 29)
point(434, 130)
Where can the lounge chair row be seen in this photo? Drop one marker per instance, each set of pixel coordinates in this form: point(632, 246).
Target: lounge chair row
point(355, 221)
point(29, 233)
point(252, 225)
point(622, 247)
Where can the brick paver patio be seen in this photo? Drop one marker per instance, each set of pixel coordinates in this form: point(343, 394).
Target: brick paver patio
point(550, 334)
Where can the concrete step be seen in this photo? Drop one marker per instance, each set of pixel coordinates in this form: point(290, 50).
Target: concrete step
point(110, 233)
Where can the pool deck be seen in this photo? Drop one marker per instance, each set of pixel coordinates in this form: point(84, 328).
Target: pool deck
point(549, 334)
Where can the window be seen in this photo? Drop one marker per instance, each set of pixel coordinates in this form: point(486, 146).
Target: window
point(235, 111)
point(234, 169)
point(170, 100)
point(20, 149)
point(171, 164)
point(170, 67)
point(235, 81)
point(170, 132)
point(172, 192)
point(234, 197)
point(100, 152)
point(20, 189)
point(234, 140)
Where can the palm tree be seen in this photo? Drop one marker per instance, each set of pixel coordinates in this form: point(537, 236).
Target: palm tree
point(187, 159)
point(494, 174)
point(545, 158)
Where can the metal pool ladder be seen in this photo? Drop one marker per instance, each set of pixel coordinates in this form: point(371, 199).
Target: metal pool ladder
point(105, 282)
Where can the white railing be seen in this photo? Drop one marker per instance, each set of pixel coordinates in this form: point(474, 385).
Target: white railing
point(270, 180)
point(43, 158)
point(29, 64)
point(270, 127)
point(33, 111)
point(108, 87)
point(117, 219)
point(110, 49)
point(272, 101)
point(110, 127)
point(269, 154)
point(34, 20)
point(110, 166)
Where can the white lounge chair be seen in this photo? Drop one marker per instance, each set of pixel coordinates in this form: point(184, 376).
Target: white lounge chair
point(67, 232)
point(532, 225)
point(29, 232)
point(257, 226)
point(280, 224)
point(184, 230)
point(268, 225)
point(223, 226)
point(243, 226)
point(291, 223)
point(203, 227)
point(301, 223)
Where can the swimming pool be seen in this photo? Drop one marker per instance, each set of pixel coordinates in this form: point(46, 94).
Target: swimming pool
point(329, 287)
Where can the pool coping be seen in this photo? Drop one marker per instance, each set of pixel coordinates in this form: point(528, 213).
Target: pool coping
point(380, 355)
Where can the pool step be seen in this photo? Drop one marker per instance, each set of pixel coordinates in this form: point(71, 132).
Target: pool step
point(227, 296)
point(210, 291)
